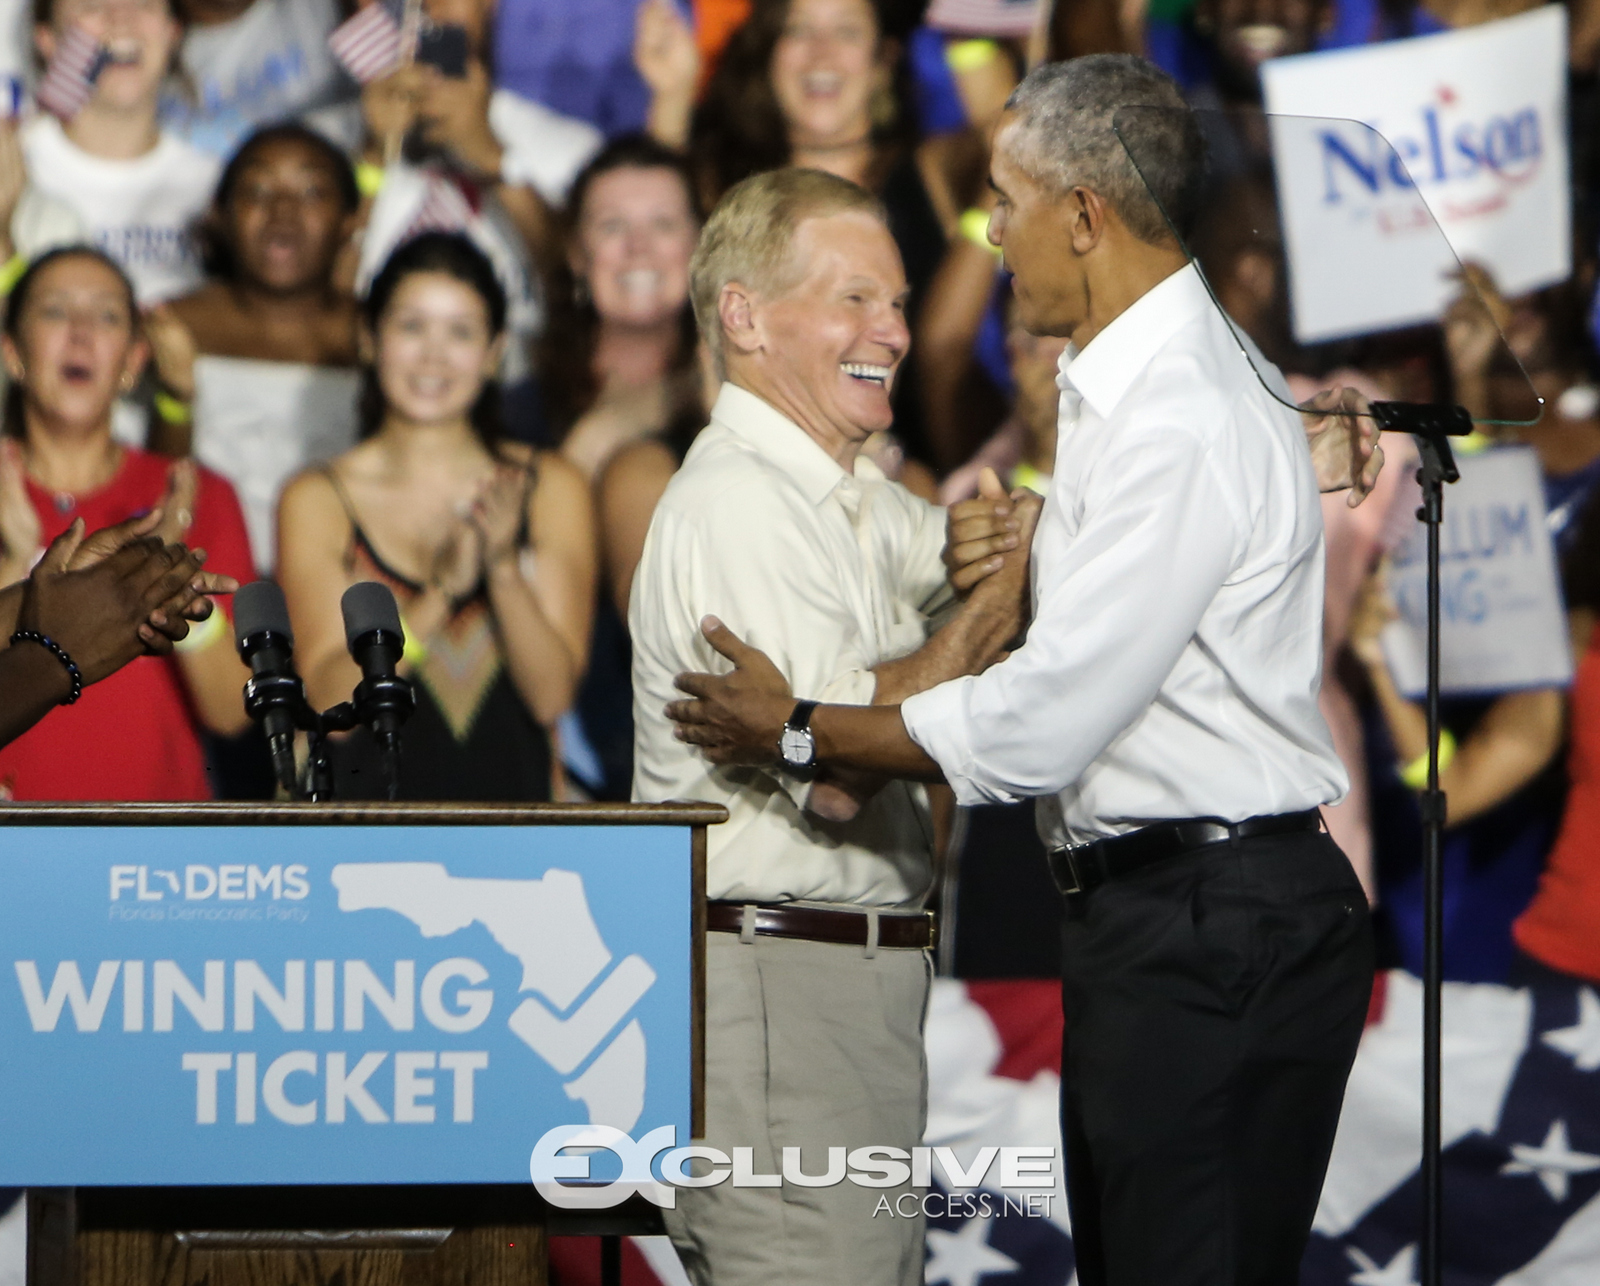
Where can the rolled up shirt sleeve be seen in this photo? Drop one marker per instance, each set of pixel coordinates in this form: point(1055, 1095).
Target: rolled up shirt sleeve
point(1115, 605)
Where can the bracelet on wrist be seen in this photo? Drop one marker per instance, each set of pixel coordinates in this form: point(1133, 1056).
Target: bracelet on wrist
point(172, 408)
point(11, 272)
point(1415, 773)
point(60, 653)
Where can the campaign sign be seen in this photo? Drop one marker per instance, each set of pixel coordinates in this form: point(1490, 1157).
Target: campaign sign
point(1502, 621)
point(1467, 128)
point(321, 1004)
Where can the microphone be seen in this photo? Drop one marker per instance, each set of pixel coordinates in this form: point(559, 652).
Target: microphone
point(273, 695)
point(383, 700)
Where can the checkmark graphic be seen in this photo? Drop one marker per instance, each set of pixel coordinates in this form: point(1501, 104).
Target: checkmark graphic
point(565, 1042)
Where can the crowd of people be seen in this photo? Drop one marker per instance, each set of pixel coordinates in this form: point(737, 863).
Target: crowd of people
point(358, 293)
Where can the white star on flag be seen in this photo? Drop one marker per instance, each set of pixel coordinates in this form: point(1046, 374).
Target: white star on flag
point(1580, 1043)
point(960, 1258)
point(1399, 1271)
point(1554, 1161)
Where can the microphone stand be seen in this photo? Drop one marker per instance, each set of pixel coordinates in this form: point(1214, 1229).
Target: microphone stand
point(1431, 428)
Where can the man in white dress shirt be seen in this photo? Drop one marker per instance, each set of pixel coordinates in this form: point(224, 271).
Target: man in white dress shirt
point(816, 967)
point(1163, 711)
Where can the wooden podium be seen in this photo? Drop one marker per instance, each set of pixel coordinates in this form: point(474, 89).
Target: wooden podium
point(256, 1165)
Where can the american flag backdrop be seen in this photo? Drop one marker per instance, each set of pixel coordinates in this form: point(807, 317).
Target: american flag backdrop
point(1521, 1133)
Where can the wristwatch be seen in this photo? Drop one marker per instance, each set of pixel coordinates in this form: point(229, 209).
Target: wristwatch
point(797, 745)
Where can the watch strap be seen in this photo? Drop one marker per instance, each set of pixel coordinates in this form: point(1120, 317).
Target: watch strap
point(800, 718)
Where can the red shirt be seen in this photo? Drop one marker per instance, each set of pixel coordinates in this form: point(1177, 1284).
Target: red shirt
point(133, 735)
point(1561, 927)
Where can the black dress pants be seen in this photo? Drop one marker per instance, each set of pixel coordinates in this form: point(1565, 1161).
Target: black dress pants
point(1214, 1002)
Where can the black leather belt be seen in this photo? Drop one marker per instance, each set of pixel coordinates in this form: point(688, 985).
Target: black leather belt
point(1082, 867)
point(817, 924)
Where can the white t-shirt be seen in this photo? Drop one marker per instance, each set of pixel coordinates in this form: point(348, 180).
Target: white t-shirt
point(269, 64)
point(259, 423)
point(544, 150)
point(142, 212)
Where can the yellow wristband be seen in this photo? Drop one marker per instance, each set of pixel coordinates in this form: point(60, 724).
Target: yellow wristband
point(1415, 773)
point(969, 55)
point(173, 409)
point(415, 652)
point(12, 272)
point(202, 634)
point(369, 178)
point(974, 227)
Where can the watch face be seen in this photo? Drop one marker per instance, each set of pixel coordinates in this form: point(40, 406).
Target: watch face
point(797, 746)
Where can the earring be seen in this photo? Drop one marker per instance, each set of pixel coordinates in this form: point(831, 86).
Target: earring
point(884, 109)
point(126, 383)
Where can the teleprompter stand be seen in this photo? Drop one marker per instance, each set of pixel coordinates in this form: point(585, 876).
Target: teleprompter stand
point(1431, 428)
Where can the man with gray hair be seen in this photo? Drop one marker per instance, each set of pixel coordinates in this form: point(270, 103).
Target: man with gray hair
point(1217, 961)
point(817, 962)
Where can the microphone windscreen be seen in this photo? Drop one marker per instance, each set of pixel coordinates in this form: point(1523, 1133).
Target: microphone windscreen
point(260, 606)
point(369, 606)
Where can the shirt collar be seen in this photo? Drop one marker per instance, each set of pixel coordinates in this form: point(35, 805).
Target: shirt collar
point(780, 440)
point(1103, 370)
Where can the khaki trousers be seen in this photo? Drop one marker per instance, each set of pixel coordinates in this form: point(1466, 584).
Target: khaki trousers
point(810, 1045)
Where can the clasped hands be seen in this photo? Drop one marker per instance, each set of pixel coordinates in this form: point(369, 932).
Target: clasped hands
point(736, 718)
point(117, 594)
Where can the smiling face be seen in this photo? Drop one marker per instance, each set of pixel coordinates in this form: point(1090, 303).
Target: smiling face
point(1030, 225)
point(141, 36)
point(826, 66)
point(635, 235)
point(76, 342)
point(829, 347)
point(285, 217)
point(434, 349)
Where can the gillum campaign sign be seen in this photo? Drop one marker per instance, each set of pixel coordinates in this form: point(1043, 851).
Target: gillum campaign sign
point(1392, 156)
point(233, 1005)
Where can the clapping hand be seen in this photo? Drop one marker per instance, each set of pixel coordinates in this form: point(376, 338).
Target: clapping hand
point(1343, 438)
point(458, 563)
point(135, 600)
point(19, 521)
point(499, 515)
point(177, 505)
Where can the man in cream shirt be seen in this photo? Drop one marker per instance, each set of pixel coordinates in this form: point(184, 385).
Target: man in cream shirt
point(817, 964)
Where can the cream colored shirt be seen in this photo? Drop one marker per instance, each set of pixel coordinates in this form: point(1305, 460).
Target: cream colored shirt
point(829, 575)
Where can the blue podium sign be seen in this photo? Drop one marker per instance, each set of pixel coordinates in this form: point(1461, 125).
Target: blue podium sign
point(345, 1004)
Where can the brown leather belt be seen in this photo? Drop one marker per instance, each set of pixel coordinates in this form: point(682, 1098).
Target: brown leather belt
point(915, 931)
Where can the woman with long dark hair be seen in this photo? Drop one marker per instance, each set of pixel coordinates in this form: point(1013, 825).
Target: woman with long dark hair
point(72, 343)
point(488, 545)
point(823, 84)
point(618, 358)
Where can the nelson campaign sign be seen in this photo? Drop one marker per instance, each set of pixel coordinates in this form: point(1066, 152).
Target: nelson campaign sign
point(1390, 157)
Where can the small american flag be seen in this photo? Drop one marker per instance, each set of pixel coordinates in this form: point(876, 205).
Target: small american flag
point(368, 44)
point(445, 208)
point(69, 80)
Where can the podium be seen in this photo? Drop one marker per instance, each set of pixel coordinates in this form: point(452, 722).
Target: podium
point(244, 1045)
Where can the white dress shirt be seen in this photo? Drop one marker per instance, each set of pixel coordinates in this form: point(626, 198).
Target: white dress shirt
point(829, 575)
point(1173, 662)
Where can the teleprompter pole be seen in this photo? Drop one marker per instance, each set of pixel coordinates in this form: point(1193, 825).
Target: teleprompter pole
point(1431, 427)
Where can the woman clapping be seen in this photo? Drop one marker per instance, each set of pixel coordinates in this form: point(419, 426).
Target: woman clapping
point(489, 546)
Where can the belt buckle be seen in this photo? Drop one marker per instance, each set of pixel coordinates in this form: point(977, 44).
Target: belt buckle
point(1065, 856)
